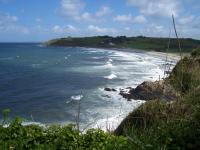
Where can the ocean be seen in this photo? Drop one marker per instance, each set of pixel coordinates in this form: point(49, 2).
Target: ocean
point(46, 85)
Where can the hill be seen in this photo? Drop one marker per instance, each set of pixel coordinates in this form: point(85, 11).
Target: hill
point(140, 42)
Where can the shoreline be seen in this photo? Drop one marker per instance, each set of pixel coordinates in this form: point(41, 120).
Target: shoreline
point(171, 55)
point(123, 50)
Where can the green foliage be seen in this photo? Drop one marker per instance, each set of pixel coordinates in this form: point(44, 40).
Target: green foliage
point(185, 77)
point(140, 42)
point(5, 115)
point(166, 125)
point(196, 52)
point(19, 137)
point(169, 125)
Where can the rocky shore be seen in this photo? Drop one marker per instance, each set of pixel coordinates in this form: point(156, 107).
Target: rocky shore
point(148, 91)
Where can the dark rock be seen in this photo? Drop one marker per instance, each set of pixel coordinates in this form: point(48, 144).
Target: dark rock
point(129, 88)
point(114, 90)
point(147, 91)
point(150, 91)
point(110, 89)
point(167, 72)
point(107, 96)
point(126, 95)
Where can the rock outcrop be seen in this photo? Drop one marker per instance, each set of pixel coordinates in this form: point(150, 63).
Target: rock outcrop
point(110, 89)
point(151, 91)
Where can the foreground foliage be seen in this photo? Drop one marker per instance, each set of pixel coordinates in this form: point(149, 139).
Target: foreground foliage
point(19, 137)
point(169, 125)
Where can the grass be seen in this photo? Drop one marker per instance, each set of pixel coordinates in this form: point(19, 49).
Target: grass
point(169, 125)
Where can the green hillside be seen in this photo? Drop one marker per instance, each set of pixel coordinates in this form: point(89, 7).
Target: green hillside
point(159, 124)
point(140, 42)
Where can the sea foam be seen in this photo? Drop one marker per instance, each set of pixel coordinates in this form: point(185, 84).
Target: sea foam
point(76, 97)
point(111, 76)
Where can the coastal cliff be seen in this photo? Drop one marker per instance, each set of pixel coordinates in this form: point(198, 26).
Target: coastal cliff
point(151, 91)
point(174, 123)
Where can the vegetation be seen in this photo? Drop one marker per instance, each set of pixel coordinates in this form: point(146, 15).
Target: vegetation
point(18, 137)
point(140, 42)
point(154, 125)
point(169, 125)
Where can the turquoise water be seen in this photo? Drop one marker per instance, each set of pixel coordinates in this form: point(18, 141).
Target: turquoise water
point(45, 84)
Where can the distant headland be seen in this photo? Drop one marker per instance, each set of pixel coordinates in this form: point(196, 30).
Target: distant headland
point(139, 42)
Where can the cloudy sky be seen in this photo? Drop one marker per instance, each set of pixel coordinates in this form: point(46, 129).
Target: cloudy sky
point(40, 20)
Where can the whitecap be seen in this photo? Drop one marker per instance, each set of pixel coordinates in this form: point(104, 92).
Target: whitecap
point(101, 89)
point(27, 123)
point(33, 123)
point(110, 60)
point(91, 51)
point(76, 97)
point(111, 76)
point(95, 57)
point(67, 102)
point(109, 64)
point(112, 121)
point(99, 57)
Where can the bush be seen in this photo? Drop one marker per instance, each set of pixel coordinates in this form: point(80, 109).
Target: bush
point(19, 137)
point(196, 52)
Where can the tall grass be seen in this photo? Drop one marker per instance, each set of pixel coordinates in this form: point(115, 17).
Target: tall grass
point(169, 125)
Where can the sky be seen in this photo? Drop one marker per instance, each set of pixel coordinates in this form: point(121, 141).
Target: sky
point(41, 20)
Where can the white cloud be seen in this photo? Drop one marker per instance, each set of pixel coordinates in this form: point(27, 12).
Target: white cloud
point(139, 19)
point(156, 30)
point(7, 18)
point(123, 18)
point(159, 28)
point(164, 8)
point(129, 18)
point(38, 19)
point(104, 10)
point(9, 23)
point(71, 28)
point(17, 28)
point(127, 28)
point(186, 20)
point(57, 29)
point(87, 17)
point(99, 30)
point(64, 29)
point(72, 8)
